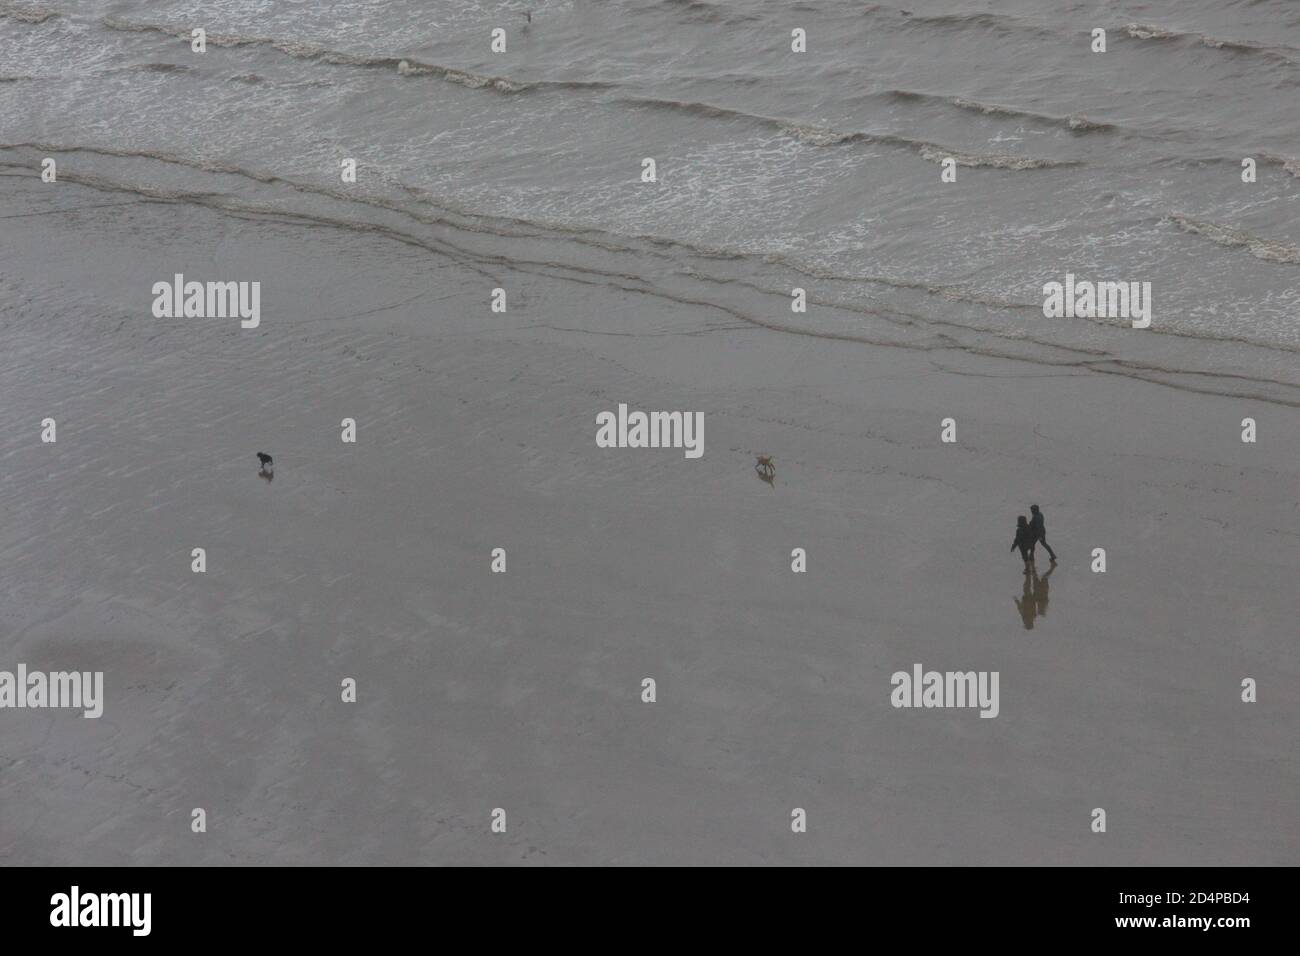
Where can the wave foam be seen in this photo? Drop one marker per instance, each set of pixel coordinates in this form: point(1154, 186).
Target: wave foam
point(1270, 250)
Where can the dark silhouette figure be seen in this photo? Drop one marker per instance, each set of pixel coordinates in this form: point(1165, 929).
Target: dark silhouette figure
point(766, 470)
point(267, 470)
point(1025, 603)
point(1024, 540)
point(264, 458)
point(1039, 527)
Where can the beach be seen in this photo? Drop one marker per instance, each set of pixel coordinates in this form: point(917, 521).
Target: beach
point(522, 691)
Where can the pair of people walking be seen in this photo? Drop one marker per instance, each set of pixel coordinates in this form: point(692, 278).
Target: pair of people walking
point(1031, 532)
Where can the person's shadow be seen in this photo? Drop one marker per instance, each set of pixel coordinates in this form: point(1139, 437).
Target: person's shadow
point(1032, 603)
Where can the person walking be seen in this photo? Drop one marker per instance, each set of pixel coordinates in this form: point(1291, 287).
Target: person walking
point(1039, 527)
point(1024, 540)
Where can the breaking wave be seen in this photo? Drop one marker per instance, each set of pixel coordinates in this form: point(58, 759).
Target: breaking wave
point(814, 135)
point(26, 14)
point(1075, 122)
point(1143, 31)
point(313, 52)
point(1289, 164)
point(937, 154)
point(1270, 250)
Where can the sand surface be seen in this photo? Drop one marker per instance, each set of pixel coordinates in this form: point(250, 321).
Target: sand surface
point(522, 690)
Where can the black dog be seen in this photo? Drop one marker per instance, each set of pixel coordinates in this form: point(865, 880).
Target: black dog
point(264, 458)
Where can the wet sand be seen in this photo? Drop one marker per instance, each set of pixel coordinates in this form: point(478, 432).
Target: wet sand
point(522, 690)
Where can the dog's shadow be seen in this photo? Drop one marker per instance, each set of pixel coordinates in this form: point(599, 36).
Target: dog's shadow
point(267, 473)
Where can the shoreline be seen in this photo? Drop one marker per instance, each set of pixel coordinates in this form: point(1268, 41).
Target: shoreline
point(856, 309)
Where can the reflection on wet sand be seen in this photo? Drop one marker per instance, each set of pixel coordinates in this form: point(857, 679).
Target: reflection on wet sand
point(1032, 603)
